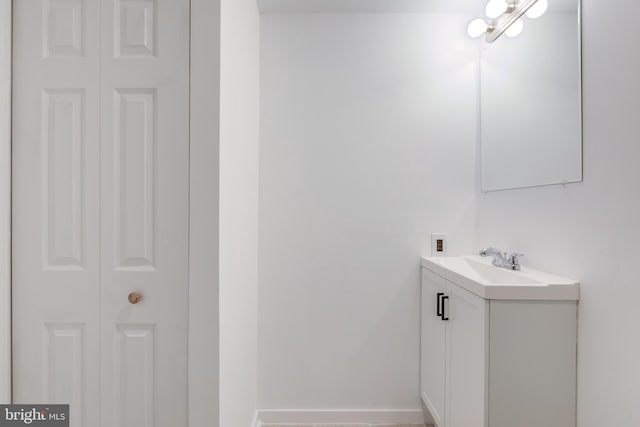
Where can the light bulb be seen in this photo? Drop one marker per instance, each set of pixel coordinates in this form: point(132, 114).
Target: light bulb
point(539, 8)
point(496, 8)
point(515, 29)
point(476, 28)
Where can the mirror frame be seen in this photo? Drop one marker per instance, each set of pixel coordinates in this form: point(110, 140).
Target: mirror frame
point(581, 126)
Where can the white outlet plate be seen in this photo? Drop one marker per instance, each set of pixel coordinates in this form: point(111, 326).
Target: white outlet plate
point(438, 249)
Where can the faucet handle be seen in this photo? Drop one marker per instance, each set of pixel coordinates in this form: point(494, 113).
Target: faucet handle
point(515, 261)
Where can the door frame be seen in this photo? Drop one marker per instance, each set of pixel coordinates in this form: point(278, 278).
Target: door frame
point(5, 200)
point(204, 143)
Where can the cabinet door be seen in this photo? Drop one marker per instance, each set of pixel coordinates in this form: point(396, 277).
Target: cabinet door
point(433, 353)
point(467, 358)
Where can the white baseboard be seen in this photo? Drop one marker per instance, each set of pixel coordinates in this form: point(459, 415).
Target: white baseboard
point(300, 416)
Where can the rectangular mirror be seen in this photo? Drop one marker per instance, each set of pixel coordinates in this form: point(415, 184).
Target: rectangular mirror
point(531, 106)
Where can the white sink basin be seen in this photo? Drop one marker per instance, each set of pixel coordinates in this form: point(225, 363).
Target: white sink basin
point(477, 275)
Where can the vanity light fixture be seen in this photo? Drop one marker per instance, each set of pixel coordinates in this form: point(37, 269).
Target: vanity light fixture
point(496, 8)
point(478, 27)
point(505, 17)
point(515, 29)
point(538, 9)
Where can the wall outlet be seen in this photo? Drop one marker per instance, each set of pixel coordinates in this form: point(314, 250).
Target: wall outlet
point(438, 244)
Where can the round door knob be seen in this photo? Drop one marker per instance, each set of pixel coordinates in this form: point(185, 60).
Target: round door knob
point(135, 297)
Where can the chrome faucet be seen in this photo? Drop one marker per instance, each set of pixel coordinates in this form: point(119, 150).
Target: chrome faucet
point(501, 259)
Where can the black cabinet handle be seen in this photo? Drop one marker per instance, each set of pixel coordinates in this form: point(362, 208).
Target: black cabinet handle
point(442, 316)
point(438, 309)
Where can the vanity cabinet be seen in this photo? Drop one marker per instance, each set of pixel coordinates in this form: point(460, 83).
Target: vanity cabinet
point(496, 363)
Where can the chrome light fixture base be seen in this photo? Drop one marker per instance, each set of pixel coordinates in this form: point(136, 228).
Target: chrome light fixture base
point(507, 20)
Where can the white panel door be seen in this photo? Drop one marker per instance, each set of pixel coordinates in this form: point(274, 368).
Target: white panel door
point(433, 349)
point(144, 208)
point(56, 230)
point(467, 358)
point(100, 208)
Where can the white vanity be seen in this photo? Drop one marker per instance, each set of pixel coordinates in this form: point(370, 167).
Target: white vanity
point(498, 347)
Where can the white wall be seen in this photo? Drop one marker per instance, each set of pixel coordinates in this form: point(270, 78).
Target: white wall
point(239, 146)
point(591, 231)
point(367, 146)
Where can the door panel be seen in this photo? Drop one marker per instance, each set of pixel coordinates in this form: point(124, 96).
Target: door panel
point(144, 199)
point(101, 208)
point(62, 165)
point(55, 283)
point(63, 372)
point(433, 353)
point(135, 376)
point(467, 370)
point(63, 28)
